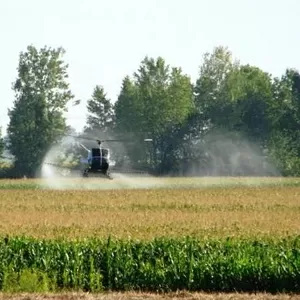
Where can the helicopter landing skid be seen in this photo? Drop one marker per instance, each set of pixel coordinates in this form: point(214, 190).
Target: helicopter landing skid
point(95, 174)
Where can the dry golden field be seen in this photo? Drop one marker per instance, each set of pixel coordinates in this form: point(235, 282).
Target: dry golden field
point(199, 207)
point(145, 208)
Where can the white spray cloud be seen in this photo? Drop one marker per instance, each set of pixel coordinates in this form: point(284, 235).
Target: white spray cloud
point(54, 177)
point(220, 154)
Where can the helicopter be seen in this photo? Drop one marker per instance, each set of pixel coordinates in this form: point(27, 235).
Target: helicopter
point(98, 161)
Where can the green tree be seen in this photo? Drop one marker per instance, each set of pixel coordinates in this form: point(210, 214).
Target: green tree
point(1, 142)
point(100, 112)
point(283, 150)
point(213, 105)
point(233, 96)
point(128, 108)
point(284, 116)
point(128, 120)
point(284, 111)
point(154, 104)
point(41, 97)
point(232, 103)
point(165, 94)
point(249, 90)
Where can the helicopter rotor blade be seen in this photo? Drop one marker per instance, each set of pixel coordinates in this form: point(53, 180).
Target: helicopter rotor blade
point(85, 148)
point(106, 140)
point(125, 140)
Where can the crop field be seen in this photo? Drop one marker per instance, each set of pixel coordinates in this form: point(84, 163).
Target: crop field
point(151, 235)
point(231, 209)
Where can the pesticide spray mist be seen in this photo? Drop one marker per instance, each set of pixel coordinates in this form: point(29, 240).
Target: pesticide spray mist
point(52, 176)
point(226, 154)
point(59, 178)
point(219, 158)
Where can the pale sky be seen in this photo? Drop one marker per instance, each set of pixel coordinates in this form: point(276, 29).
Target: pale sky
point(106, 40)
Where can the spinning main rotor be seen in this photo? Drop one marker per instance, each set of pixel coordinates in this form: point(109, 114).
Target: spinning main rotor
point(99, 141)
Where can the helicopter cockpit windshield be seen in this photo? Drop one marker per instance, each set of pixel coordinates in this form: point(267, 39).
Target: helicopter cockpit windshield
point(104, 152)
point(96, 152)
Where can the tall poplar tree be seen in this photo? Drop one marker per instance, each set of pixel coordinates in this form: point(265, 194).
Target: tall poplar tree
point(41, 97)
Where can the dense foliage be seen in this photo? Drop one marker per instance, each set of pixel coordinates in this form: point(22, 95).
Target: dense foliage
point(233, 120)
point(1, 142)
point(158, 265)
point(36, 118)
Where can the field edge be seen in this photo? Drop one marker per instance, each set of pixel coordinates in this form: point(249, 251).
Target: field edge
point(151, 296)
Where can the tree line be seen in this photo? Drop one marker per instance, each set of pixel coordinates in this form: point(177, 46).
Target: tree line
point(234, 120)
